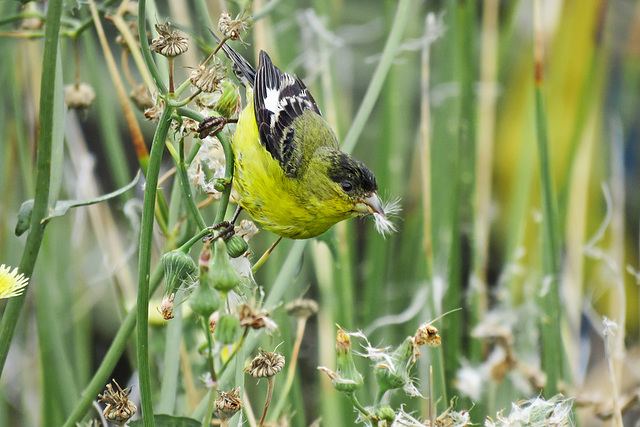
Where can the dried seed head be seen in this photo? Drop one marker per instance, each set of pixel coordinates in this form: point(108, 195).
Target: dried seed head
point(247, 229)
point(169, 43)
point(119, 408)
point(302, 308)
point(265, 364)
point(79, 96)
point(208, 79)
point(427, 334)
point(232, 28)
point(228, 403)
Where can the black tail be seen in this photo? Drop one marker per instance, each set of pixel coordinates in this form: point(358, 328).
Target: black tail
point(241, 67)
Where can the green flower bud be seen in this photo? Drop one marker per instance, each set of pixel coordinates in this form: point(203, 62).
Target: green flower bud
point(178, 268)
point(384, 412)
point(204, 300)
point(346, 379)
point(229, 103)
point(223, 276)
point(226, 329)
point(24, 217)
point(398, 374)
point(220, 184)
point(237, 246)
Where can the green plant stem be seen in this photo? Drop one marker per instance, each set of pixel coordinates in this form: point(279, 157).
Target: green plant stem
point(146, 53)
point(552, 347)
point(375, 86)
point(144, 263)
point(358, 406)
point(235, 349)
point(181, 170)
point(118, 345)
point(43, 174)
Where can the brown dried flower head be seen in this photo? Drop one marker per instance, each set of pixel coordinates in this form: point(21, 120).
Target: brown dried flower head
point(302, 308)
point(232, 28)
point(253, 318)
point(166, 308)
point(169, 43)
point(119, 408)
point(427, 334)
point(228, 403)
point(208, 79)
point(265, 365)
point(79, 96)
point(155, 112)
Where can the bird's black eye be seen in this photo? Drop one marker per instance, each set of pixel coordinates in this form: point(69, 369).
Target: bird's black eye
point(346, 186)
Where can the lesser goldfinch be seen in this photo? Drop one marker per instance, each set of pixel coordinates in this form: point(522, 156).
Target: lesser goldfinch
point(290, 174)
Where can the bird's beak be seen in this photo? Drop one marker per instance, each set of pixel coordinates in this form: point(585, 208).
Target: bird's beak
point(370, 204)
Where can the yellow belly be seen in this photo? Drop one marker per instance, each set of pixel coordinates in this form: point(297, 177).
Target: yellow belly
point(279, 203)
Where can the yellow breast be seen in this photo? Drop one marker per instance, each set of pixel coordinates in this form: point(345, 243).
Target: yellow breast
point(279, 203)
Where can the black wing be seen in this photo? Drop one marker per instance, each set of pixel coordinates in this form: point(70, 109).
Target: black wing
point(278, 99)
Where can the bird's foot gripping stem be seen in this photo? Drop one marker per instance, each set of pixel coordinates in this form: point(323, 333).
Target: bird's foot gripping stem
point(227, 228)
point(213, 125)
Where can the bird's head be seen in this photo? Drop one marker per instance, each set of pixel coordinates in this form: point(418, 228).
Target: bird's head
point(352, 183)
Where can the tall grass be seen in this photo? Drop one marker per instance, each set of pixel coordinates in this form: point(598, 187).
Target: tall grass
point(510, 140)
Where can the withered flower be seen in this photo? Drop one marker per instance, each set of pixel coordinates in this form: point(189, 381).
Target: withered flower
point(233, 28)
point(169, 43)
point(119, 408)
point(427, 334)
point(208, 79)
point(228, 403)
point(265, 365)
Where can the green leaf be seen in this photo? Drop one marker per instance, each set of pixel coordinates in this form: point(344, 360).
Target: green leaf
point(62, 206)
point(162, 420)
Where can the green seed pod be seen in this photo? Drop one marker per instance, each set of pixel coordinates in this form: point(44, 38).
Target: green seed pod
point(204, 300)
point(178, 268)
point(223, 276)
point(237, 246)
point(226, 329)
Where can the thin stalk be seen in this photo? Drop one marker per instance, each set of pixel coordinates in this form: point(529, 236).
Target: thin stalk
point(144, 263)
point(118, 345)
point(134, 127)
point(291, 370)
point(271, 381)
point(191, 206)
point(235, 349)
point(552, 347)
point(144, 44)
point(377, 80)
point(43, 174)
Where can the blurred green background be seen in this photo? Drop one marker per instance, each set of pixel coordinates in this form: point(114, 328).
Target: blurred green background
point(454, 132)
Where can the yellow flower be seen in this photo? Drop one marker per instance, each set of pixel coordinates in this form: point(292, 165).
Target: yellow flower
point(12, 284)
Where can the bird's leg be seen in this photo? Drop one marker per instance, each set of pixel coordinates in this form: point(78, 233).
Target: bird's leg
point(226, 228)
point(213, 125)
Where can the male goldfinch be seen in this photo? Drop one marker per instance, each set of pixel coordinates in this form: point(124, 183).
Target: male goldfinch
point(290, 174)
